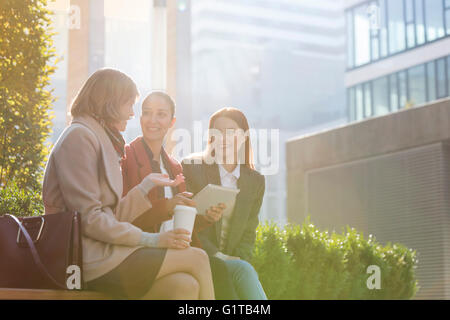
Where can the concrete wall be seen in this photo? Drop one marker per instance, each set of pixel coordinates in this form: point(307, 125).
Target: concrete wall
point(372, 137)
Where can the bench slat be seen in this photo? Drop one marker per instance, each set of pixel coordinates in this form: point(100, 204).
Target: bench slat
point(42, 294)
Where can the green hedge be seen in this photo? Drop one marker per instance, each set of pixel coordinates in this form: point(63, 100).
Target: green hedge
point(19, 201)
point(302, 262)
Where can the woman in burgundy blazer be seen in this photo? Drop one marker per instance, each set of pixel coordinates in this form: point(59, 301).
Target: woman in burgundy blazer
point(137, 165)
point(139, 161)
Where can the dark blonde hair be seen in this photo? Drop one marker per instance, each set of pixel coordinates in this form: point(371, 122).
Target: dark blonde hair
point(103, 94)
point(239, 117)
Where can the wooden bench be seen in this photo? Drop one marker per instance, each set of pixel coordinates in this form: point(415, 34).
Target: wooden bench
point(41, 294)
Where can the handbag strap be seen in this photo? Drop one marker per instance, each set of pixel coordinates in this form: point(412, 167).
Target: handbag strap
point(35, 254)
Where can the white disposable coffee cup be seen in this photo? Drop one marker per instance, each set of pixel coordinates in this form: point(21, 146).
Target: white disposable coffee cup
point(184, 217)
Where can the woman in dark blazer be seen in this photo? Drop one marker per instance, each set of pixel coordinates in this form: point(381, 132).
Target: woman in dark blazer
point(227, 161)
point(146, 154)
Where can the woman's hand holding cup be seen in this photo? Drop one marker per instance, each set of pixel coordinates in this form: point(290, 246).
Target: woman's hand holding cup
point(181, 198)
point(175, 239)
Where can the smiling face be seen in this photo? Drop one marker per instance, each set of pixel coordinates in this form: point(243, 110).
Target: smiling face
point(156, 118)
point(232, 140)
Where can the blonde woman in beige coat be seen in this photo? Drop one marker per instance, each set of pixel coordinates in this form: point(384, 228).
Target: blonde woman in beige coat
point(83, 174)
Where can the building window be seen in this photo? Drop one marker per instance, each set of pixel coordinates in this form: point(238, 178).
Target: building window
point(383, 29)
point(448, 75)
point(441, 78)
point(417, 85)
point(411, 87)
point(359, 102)
point(350, 37)
point(393, 92)
point(447, 15)
point(402, 89)
point(362, 31)
point(380, 96)
point(410, 24)
point(373, 11)
point(400, 25)
point(352, 103)
point(396, 24)
point(431, 83)
point(434, 19)
point(375, 45)
point(368, 99)
point(420, 22)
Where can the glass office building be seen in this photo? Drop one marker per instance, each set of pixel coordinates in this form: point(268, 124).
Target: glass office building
point(385, 31)
point(406, 88)
point(382, 28)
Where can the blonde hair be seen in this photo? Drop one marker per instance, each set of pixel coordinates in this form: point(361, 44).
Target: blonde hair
point(102, 95)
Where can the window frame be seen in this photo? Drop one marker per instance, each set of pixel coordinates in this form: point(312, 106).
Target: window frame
point(406, 22)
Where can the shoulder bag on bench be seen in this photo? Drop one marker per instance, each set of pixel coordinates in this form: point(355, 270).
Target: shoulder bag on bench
point(38, 252)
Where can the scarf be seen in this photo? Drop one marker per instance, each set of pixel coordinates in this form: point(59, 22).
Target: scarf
point(114, 135)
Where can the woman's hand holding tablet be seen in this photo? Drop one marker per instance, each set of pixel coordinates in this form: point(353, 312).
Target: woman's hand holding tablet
point(214, 213)
point(212, 195)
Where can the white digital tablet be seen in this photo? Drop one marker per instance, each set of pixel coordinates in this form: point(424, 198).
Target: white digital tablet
point(212, 195)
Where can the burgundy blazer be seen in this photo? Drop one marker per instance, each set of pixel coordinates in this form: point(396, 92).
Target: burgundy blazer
point(135, 166)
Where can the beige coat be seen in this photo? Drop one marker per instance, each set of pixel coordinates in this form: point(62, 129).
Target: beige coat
point(83, 174)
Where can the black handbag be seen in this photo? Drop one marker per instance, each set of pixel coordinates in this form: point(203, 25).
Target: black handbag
point(40, 252)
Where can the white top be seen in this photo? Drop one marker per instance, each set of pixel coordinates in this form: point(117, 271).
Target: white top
point(229, 180)
point(166, 225)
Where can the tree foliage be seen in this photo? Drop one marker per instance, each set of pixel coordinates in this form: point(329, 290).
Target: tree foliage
point(26, 55)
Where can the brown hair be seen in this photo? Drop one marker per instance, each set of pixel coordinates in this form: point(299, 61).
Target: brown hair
point(239, 117)
point(162, 95)
point(103, 93)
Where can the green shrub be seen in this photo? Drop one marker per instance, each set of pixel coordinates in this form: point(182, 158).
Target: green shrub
point(318, 260)
point(20, 202)
point(302, 262)
point(272, 262)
